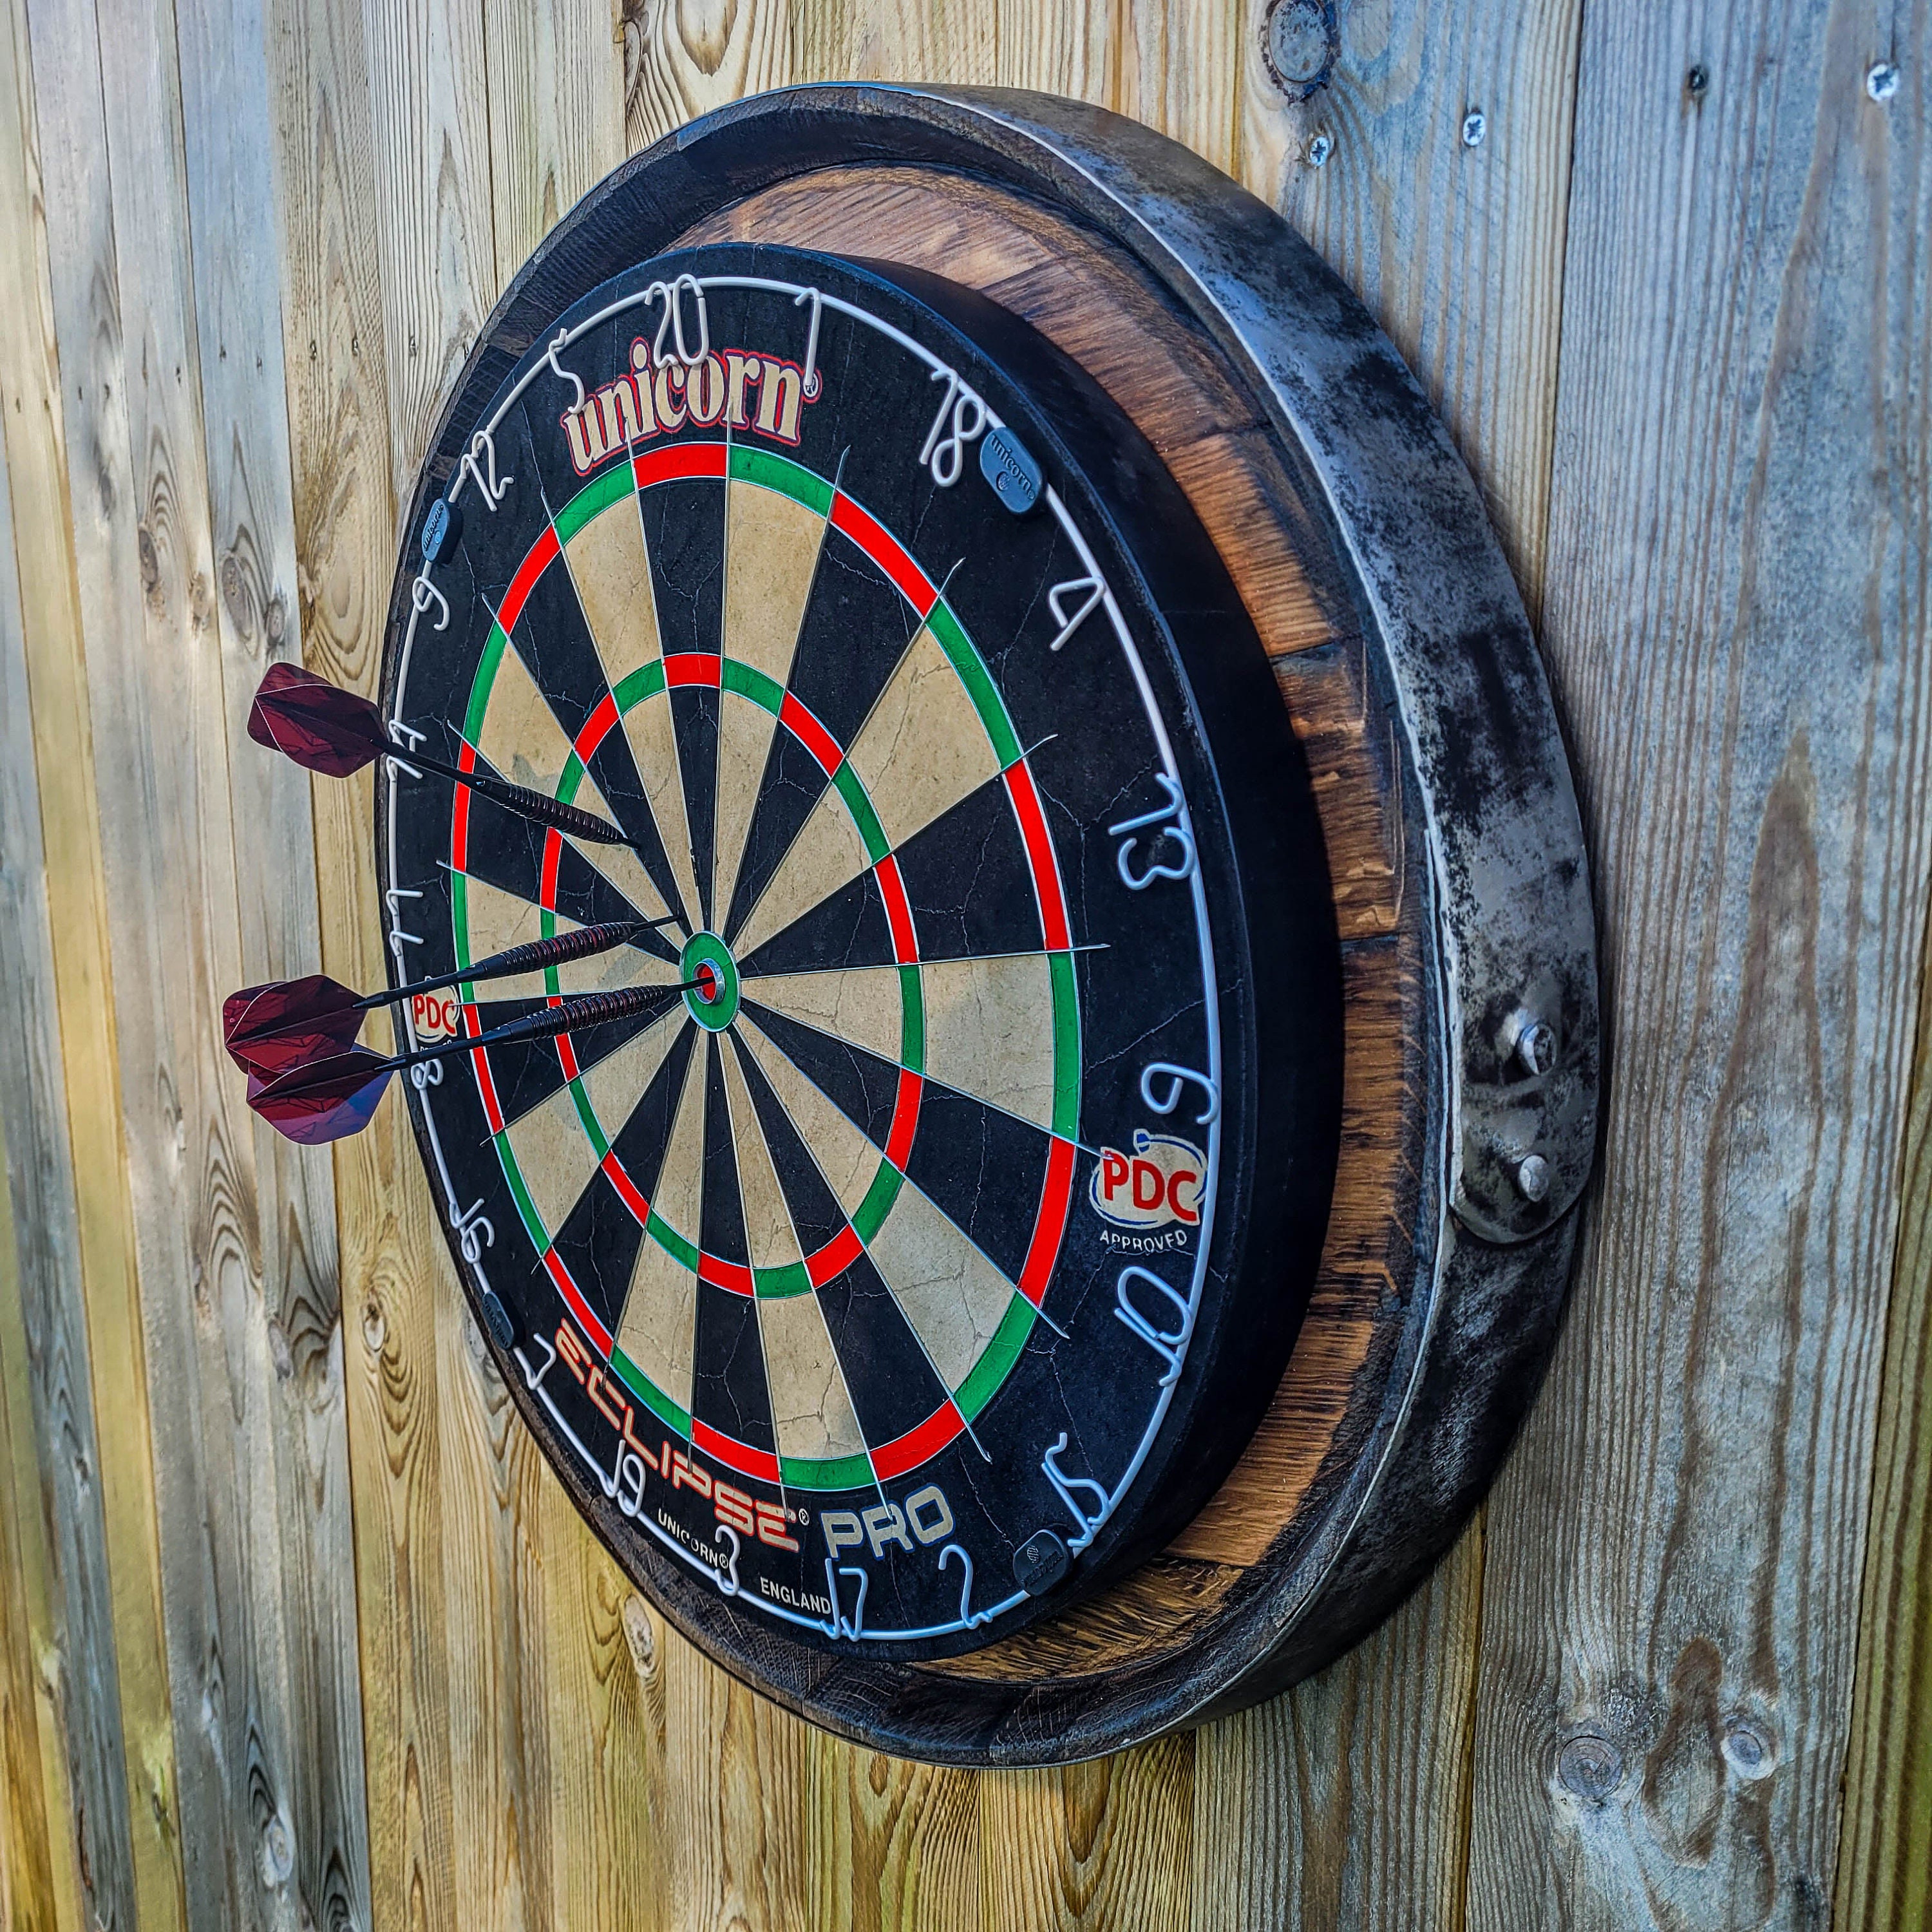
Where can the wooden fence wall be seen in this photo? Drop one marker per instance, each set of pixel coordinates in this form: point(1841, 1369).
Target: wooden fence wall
point(296, 1630)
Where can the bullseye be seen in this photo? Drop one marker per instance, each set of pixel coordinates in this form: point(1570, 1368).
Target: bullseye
point(713, 1000)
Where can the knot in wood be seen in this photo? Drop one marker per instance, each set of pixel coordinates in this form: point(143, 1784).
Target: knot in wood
point(1589, 1766)
point(1299, 44)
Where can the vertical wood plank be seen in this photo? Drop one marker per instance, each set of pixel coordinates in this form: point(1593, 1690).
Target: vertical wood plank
point(31, 1783)
point(104, 1667)
point(1177, 67)
point(733, 1828)
point(954, 41)
point(1456, 250)
point(557, 114)
point(1108, 1844)
point(430, 128)
point(1345, 1803)
point(392, 1254)
point(682, 57)
point(1884, 1856)
point(1343, 1806)
point(895, 1846)
point(234, 1238)
point(1735, 613)
point(39, 1879)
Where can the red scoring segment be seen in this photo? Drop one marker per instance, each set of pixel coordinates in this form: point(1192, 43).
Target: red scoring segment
point(704, 668)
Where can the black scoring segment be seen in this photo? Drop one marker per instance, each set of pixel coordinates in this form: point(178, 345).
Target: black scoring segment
point(983, 1170)
point(862, 1087)
point(816, 1215)
point(856, 628)
point(684, 538)
point(892, 1384)
point(968, 881)
point(847, 927)
point(598, 1243)
point(641, 1143)
point(728, 1386)
point(722, 1216)
point(792, 781)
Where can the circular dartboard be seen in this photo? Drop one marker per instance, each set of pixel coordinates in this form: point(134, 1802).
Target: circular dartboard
point(1032, 1176)
point(902, 1272)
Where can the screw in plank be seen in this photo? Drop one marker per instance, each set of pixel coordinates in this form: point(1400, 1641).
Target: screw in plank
point(1532, 1177)
point(1590, 1767)
point(1697, 82)
point(1475, 125)
point(1319, 149)
point(1882, 82)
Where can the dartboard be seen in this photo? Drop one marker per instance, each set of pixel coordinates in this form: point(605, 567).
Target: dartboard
point(924, 1255)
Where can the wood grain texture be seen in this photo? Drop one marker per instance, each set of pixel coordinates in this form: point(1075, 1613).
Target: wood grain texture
point(895, 1847)
point(734, 1831)
point(1456, 250)
point(1885, 1853)
point(40, 1874)
point(682, 57)
point(190, 576)
point(392, 1253)
point(1672, 1572)
point(429, 129)
point(556, 80)
point(104, 1666)
point(1109, 1843)
point(1344, 1803)
point(1174, 63)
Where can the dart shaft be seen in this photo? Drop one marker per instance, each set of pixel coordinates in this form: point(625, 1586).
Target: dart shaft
point(558, 950)
point(593, 1010)
point(525, 803)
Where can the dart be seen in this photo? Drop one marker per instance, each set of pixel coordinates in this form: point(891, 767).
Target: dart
point(332, 1094)
point(267, 1029)
point(325, 729)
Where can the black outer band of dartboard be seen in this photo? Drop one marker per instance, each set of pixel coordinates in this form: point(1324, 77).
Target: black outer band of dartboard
point(1432, 592)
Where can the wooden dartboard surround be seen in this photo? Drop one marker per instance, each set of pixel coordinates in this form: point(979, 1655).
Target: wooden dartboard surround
point(1357, 549)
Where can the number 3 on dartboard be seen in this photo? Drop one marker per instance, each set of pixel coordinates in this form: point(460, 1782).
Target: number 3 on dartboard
point(1171, 817)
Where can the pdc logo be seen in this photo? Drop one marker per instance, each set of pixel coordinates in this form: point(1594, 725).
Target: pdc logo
point(436, 1016)
point(1159, 1182)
